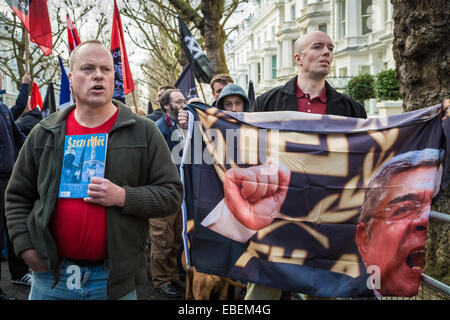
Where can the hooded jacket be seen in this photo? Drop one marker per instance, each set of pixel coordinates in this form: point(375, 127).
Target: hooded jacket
point(232, 89)
point(137, 159)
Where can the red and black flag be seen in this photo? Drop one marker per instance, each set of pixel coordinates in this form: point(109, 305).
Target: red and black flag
point(123, 81)
point(73, 39)
point(34, 16)
point(198, 60)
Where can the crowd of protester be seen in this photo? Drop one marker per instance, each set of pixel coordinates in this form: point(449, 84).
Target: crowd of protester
point(103, 234)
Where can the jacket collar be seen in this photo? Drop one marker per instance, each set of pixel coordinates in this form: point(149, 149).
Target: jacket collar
point(290, 98)
point(56, 120)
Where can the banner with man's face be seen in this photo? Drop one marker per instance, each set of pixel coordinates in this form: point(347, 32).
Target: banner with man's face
point(317, 204)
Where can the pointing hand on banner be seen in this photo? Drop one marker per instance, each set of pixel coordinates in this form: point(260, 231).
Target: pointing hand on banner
point(255, 195)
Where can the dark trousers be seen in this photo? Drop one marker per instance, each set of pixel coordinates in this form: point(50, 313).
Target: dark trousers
point(17, 267)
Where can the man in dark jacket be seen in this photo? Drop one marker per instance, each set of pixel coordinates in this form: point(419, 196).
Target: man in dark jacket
point(6, 165)
point(98, 239)
point(306, 92)
point(156, 114)
point(29, 119)
point(11, 141)
point(22, 97)
point(165, 232)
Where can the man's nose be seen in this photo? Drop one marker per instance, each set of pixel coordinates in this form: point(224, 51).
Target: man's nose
point(98, 73)
point(420, 222)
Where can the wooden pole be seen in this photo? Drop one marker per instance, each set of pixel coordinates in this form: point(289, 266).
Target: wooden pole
point(27, 51)
point(201, 89)
point(135, 103)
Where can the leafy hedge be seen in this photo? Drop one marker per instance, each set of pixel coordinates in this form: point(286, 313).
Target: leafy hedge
point(387, 86)
point(361, 87)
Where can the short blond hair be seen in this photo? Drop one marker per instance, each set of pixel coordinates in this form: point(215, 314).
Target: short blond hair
point(90, 41)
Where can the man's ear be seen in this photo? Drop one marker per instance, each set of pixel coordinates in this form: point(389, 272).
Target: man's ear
point(298, 59)
point(362, 239)
point(70, 81)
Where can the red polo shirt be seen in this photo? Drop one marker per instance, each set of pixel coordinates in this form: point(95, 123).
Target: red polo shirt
point(80, 228)
point(306, 104)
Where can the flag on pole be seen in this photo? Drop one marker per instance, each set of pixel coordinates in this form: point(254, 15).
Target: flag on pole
point(65, 99)
point(251, 93)
point(149, 108)
point(123, 81)
point(35, 99)
point(72, 34)
point(49, 105)
point(34, 16)
point(186, 83)
point(200, 64)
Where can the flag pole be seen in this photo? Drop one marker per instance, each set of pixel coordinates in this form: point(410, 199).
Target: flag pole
point(135, 103)
point(27, 50)
point(201, 89)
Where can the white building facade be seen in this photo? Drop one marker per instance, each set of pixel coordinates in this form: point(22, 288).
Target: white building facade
point(261, 49)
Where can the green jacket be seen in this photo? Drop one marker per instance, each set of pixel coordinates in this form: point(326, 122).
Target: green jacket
point(137, 159)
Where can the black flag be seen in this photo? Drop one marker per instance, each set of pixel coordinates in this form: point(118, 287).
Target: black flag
point(186, 83)
point(200, 64)
point(150, 108)
point(49, 105)
point(251, 93)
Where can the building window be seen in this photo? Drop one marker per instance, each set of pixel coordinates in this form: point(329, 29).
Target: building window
point(293, 12)
point(366, 16)
point(274, 67)
point(305, 3)
point(323, 27)
point(258, 71)
point(364, 69)
point(258, 43)
point(343, 72)
point(341, 19)
point(273, 32)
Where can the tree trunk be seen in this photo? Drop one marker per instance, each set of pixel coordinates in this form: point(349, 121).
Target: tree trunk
point(421, 52)
point(214, 34)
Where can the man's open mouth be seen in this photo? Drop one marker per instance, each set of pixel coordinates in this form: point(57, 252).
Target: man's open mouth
point(97, 88)
point(416, 259)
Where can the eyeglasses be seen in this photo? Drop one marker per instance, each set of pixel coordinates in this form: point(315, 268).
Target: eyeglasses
point(399, 212)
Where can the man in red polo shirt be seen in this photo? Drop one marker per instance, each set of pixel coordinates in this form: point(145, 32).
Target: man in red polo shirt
point(93, 247)
point(308, 91)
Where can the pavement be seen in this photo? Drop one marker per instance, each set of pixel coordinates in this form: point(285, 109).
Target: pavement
point(20, 292)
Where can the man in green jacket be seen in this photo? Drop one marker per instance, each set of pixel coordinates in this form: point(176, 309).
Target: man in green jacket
point(91, 248)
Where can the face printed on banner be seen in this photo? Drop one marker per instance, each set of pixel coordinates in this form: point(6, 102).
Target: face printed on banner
point(92, 77)
point(394, 238)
